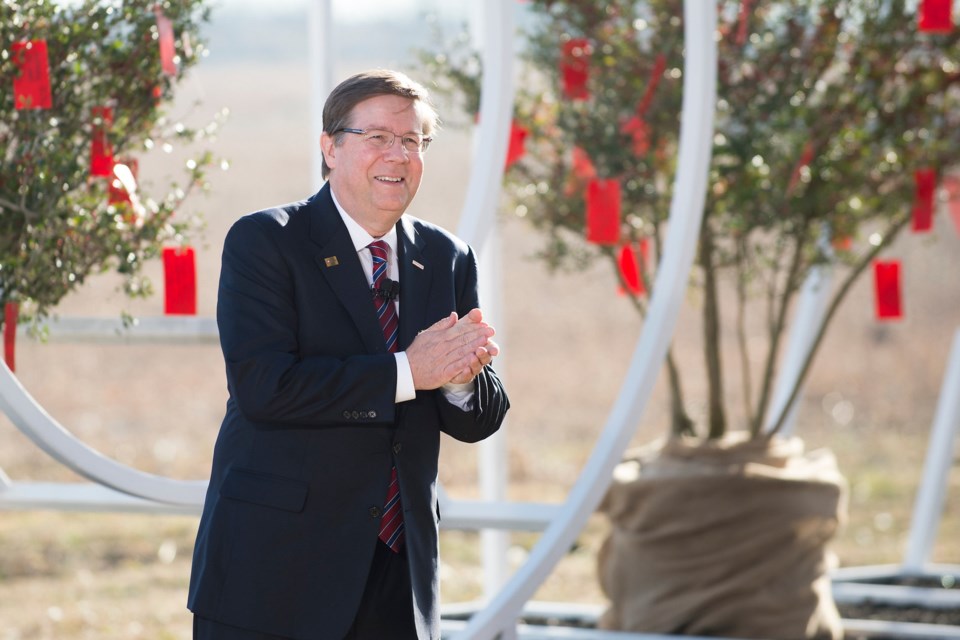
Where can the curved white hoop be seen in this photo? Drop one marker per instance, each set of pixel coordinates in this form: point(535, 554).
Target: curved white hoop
point(28, 416)
point(496, 112)
point(686, 213)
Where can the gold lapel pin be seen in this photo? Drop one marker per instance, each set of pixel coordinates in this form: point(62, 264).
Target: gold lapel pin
point(417, 265)
point(331, 261)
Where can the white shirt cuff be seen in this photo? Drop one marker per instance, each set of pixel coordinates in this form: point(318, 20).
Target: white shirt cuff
point(459, 395)
point(405, 388)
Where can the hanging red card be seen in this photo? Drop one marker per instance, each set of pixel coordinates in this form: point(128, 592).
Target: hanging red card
point(180, 281)
point(31, 88)
point(517, 146)
point(10, 312)
point(743, 22)
point(633, 258)
point(935, 16)
point(582, 164)
point(575, 68)
point(637, 129)
point(603, 211)
point(101, 152)
point(118, 192)
point(925, 181)
point(165, 42)
point(887, 288)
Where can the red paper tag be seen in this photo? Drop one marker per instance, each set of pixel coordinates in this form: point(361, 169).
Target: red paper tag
point(637, 129)
point(118, 193)
point(517, 147)
point(180, 281)
point(743, 22)
point(582, 164)
point(632, 257)
point(31, 88)
point(886, 277)
point(101, 152)
point(926, 184)
point(935, 16)
point(842, 243)
point(575, 68)
point(603, 211)
point(165, 31)
point(805, 157)
point(655, 76)
point(10, 312)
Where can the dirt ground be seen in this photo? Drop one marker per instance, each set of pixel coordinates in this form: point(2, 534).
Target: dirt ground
point(567, 341)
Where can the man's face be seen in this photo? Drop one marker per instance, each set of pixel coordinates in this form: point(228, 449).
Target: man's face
point(375, 186)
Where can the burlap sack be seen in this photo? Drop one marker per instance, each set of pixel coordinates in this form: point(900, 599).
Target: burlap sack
point(725, 538)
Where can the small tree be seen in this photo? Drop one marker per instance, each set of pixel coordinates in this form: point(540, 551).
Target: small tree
point(58, 224)
point(825, 112)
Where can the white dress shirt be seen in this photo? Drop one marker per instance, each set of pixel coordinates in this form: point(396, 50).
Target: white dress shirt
point(460, 395)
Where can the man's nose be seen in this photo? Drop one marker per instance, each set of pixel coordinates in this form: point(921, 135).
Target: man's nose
point(396, 152)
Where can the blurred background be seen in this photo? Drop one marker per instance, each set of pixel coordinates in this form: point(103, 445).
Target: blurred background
point(567, 339)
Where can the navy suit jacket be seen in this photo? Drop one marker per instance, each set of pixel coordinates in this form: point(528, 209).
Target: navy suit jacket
point(303, 458)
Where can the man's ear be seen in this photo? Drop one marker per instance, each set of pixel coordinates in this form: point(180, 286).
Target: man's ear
point(328, 148)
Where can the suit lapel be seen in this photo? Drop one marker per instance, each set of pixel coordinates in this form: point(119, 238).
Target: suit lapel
point(336, 257)
point(415, 279)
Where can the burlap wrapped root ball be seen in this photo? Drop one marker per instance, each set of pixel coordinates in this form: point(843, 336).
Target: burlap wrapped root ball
point(723, 538)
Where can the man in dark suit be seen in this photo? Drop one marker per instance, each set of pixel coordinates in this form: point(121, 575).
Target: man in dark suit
point(341, 381)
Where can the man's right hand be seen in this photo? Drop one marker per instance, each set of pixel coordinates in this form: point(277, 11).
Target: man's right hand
point(440, 353)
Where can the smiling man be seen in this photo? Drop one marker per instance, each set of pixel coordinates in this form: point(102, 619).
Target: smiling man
point(352, 338)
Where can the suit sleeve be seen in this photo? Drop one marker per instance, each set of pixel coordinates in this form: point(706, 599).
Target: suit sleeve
point(490, 402)
point(271, 381)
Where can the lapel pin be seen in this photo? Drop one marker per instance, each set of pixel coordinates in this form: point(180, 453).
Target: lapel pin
point(331, 261)
point(417, 265)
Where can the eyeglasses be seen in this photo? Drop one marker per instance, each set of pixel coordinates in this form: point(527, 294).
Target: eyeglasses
point(380, 139)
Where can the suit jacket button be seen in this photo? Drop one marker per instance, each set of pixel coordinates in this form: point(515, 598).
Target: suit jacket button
point(364, 415)
point(396, 448)
point(346, 415)
point(355, 415)
point(372, 414)
point(374, 512)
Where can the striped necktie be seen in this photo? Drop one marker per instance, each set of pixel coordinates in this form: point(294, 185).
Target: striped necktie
point(386, 309)
point(391, 524)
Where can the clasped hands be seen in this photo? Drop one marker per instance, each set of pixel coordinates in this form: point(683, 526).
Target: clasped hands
point(451, 350)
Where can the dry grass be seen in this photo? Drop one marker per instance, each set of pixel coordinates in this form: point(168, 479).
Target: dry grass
point(568, 339)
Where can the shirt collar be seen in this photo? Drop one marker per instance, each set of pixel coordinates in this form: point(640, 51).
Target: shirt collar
point(359, 235)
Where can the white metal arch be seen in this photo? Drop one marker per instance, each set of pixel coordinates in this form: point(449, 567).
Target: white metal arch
point(686, 213)
point(28, 416)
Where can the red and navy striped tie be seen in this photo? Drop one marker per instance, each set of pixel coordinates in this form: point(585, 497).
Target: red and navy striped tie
point(391, 525)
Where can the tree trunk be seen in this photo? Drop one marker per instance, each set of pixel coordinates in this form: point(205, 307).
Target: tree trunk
point(717, 421)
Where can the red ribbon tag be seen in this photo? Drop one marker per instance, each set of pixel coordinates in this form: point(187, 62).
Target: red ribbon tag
point(637, 129)
point(180, 281)
point(31, 89)
point(101, 152)
point(886, 278)
point(517, 147)
point(926, 183)
point(165, 31)
point(575, 68)
point(805, 157)
point(118, 193)
point(633, 257)
point(935, 16)
point(743, 22)
point(603, 211)
point(10, 312)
